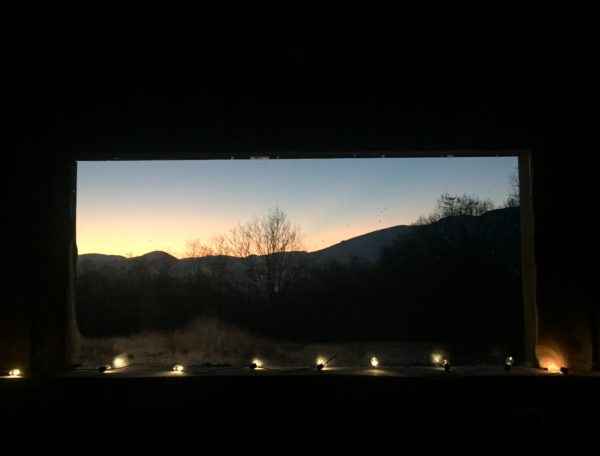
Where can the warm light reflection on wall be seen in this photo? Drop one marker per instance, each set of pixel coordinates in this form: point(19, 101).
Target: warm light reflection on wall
point(549, 357)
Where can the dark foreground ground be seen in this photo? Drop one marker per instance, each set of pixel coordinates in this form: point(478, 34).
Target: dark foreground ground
point(467, 398)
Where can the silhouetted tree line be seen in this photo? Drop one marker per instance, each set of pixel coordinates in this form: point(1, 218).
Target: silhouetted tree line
point(458, 279)
point(454, 279)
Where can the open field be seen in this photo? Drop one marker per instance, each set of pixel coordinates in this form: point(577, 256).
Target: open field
point(210, 341)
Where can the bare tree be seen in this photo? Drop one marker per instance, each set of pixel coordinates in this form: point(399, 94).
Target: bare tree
point(513, 199)
point(268, 244)
point(449, 205)
point(197, 249)
point(219, 246)
point(217, 253)
point(453, 205)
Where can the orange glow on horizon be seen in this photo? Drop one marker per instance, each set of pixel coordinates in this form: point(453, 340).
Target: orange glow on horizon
point(134, 237)
point(137, 234)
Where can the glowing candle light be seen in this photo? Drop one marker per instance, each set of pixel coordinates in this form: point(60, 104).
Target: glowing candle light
point(321, 362)
point(178, 369)
point(256, 364)
point(14, 373)
point(436, 359)
point(550, 358)
point(119, 362)
point(446, 365)
point(374, 362)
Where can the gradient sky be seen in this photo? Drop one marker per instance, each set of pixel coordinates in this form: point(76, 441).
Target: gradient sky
point(131, 208)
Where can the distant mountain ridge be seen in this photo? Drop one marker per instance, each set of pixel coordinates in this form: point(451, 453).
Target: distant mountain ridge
point(366, 247)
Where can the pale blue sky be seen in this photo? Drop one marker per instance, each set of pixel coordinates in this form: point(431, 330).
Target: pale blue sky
point(135, 207)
